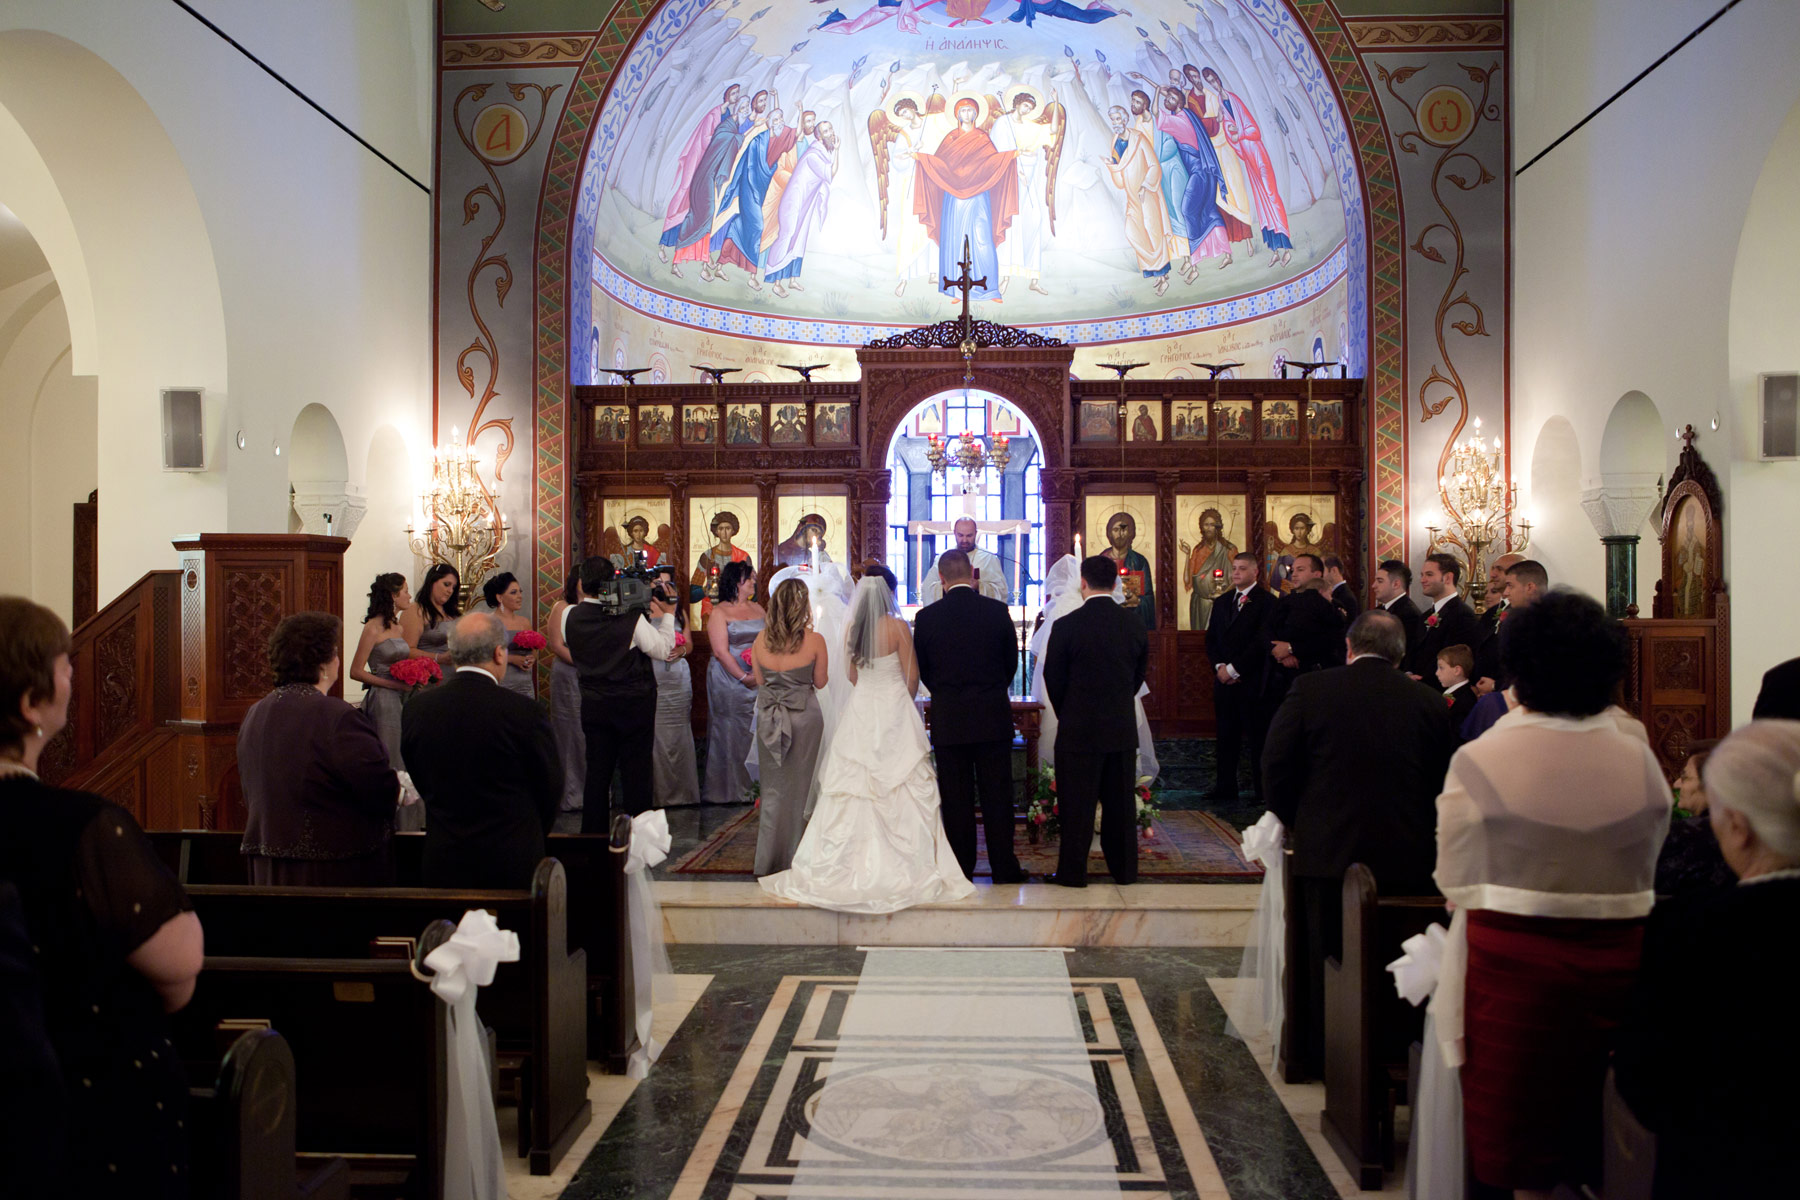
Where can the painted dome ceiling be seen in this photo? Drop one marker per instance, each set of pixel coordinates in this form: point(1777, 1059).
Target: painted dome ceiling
point(803, 171)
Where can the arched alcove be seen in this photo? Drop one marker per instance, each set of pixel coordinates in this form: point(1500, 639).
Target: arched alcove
point(319, 474)
point(1633, 441)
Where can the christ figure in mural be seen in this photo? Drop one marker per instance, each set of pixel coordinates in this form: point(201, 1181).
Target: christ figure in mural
point(1246, 138)
point(967, 190)
point(687, 167)
point(1186, 142)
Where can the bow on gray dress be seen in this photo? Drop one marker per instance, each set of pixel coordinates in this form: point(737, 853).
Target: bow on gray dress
point(789, 727)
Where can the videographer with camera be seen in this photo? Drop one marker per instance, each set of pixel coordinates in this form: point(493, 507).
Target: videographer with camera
point(615, 635)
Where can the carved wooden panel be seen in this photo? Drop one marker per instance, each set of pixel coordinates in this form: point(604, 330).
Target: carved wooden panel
point(320, 581)
point(1676, 664)
point(193, 636)
point(252, 603)
point(1673, 728)
point(115, 676)
point(87, 558)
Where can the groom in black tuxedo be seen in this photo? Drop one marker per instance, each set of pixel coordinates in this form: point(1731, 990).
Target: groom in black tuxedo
point(967, 650)
point(1095, 663)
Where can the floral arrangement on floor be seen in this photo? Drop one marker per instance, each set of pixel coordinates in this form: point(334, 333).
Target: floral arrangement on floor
point(415, 673)
point(1043, 818)
point(530, 641)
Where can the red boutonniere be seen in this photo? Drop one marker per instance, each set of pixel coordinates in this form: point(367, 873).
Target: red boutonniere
point(1449, 701)
point(1431, 621)
point(1503, 614)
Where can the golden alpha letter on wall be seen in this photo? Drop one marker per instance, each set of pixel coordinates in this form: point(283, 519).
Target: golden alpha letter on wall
point(1210, 529)
point(1123, 527)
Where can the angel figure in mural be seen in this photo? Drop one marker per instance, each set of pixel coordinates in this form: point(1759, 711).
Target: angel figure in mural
point(897, 136)
point(1135, 172)
point(1235, 205)
point(635, 548)
point(967, 191)
point(1191, 180)
point(1300, 541)
point(1030, 10)
point(1245, 136)
point(801, 213)
point(699, 185)
point(737, 227)
point(904, 14)
point(1037, 142)
point(1207, 575)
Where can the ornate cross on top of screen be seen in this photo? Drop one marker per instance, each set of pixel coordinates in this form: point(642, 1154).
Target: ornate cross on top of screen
point(970, 455)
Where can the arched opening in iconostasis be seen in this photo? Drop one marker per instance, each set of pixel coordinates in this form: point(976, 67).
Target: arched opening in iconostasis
point(990, 494)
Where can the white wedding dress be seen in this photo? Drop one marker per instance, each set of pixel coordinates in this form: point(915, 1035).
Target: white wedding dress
point(875, 843)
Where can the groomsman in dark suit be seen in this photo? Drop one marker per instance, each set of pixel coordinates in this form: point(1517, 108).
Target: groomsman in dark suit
point(1389, 590)
point(1338, 590)
point(1449, 622)
point(1237, 646)
point(968, 650)
point(1097, 659)
point(1524, 582)
point(1353, 766)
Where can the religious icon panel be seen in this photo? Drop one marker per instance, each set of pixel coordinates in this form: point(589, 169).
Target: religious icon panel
point(743, 424)
point(1211, 531)
point(611, 423)
point(1190, 423)
point(1123, 527)
point(831, 425)
point(1099, 421)
point(1689, 559)
point(805, 520)
point(1302, 524)
point(721, 530)
point(1325, 422)
point(787, 425)
point(656, 425)
point(636, 531)
point(699, 424)
point(1146, 420)
point(1234, 420)
point(1280, 420)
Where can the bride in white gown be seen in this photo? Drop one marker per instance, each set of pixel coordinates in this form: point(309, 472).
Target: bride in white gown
point(875, 843)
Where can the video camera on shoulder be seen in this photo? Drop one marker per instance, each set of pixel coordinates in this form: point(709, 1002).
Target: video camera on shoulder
point(628, 592)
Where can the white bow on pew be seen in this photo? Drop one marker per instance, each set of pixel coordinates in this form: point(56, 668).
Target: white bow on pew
point(1258, 1006)
point(473, 1168)
point(652, 978)
point(1434, 1152)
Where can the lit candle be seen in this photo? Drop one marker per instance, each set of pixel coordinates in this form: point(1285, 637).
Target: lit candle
point(815, 558)
point(1078, 547)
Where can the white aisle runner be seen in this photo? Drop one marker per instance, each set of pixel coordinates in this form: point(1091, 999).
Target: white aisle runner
point(959, 1072)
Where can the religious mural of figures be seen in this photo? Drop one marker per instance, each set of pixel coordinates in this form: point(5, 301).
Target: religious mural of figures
point(1190, 423)
point(1297, 525)
point(1280, 421)
point(831, 425)
point(612, 423)
point(787, 425)
point(743, 424)
point(1123, 528)
point(833, 160)
point(1689, 560)
point(1234, 420)
point(636, 532)
point(1099, 421)
point(721, 529)
point(810, 522)
point(656, 425)
point(1146, 421)
point(1212, 530)
point(699, 424)
point(1326, 421)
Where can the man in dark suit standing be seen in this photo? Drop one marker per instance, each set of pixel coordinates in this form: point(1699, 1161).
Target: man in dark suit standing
point(1304, 634)
point(968, 650)
point(1449, 622)
point(1237, 646)
point(1097, 659)
point(1392, 583)
point(1338, 590)
point(1779, 696)
point(484, 760)
point(1353, 766)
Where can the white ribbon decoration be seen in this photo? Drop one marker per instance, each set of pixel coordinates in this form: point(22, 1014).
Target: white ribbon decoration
point(651, 973)
point(473, 1168)
point(1416, 970)
point(1258, 1006)
point(1262, 841)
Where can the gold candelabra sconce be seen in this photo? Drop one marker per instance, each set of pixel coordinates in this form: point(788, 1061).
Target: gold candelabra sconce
point(463, 524)
point(966, 453)
point(1480, 511)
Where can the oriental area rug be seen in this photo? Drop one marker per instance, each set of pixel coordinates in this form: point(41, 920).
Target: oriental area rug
point(1183, 846)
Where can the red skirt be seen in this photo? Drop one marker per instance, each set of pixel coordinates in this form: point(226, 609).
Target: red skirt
point(1543, 999)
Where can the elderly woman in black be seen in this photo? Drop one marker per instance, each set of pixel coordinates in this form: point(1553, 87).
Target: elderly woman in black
point(117, 946)
point(317, 783)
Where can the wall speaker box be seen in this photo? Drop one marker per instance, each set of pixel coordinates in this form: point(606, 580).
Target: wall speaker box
point(1779, 395)
point(183, 429)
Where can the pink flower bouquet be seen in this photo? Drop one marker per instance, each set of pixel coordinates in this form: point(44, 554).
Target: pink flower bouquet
point(415, 673)
point(529, 641)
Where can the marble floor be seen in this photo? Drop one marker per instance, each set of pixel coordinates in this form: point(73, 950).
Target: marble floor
point(1189, 1110)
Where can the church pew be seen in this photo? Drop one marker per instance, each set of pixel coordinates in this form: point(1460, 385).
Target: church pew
point(367, 1070)
point(241, 1130)
point(596, 878)
point(537, 1006)
point(1368, 1027)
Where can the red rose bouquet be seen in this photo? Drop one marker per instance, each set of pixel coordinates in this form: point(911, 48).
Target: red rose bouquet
point(680, 640)
point(415, 673)
point(745, 657)
point(529, 641)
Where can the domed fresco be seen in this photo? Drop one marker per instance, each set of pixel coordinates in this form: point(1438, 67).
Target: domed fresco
point(806, 173)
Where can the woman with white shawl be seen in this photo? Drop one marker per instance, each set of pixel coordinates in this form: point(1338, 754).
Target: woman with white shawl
point(875, 842)
point(1062, 594)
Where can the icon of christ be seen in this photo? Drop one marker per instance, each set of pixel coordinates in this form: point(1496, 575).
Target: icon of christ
point(968, 189)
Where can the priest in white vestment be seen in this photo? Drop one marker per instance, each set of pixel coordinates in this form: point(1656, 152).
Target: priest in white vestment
point(990, 576)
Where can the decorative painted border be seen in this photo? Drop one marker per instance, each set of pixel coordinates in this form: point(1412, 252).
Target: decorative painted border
point(477, 52)
point(661, 306)
point(1382, 34)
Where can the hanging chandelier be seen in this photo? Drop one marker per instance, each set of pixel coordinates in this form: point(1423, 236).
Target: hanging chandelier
point(463, 525)
point(1480, 507)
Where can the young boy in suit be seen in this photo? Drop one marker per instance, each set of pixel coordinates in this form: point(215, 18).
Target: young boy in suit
point(1454, 666)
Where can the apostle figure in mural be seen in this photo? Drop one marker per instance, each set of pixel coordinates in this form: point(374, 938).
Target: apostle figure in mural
point(686, 168)
point(1036, 142)
point(1245, 136)
point(714, 557)
point(699, 185)
point(802, 209)
point(1235, 205)
point(967, 192)
point(1189, 162)
point(799, 547)
point(1135, 172)
point(1134, 568)
point(737, 229)
point(1208, 572)
point(1143, 426)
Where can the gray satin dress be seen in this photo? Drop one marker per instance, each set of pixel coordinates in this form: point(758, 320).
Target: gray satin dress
point(517, 678)
point(789, 727)
point(677, 779)
point(434, 641)
point(383, 705)
point(571, 743)
point(729, 708)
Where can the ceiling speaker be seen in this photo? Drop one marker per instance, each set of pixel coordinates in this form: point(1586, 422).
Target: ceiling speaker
point(1779, 394)
point(183, 430)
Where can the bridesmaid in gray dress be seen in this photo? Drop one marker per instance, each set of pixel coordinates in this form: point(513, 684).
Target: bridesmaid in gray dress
point(565, 700)
point(731, 627)
point(677, 779)
point(506, 597)
point(426, 627)
point(381, 645)
point(789, 661)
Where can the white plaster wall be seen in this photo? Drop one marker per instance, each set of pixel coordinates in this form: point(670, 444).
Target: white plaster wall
point(1625, 242)
point(319, 251)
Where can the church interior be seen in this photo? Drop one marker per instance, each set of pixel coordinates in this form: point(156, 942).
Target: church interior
point(297, 297)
